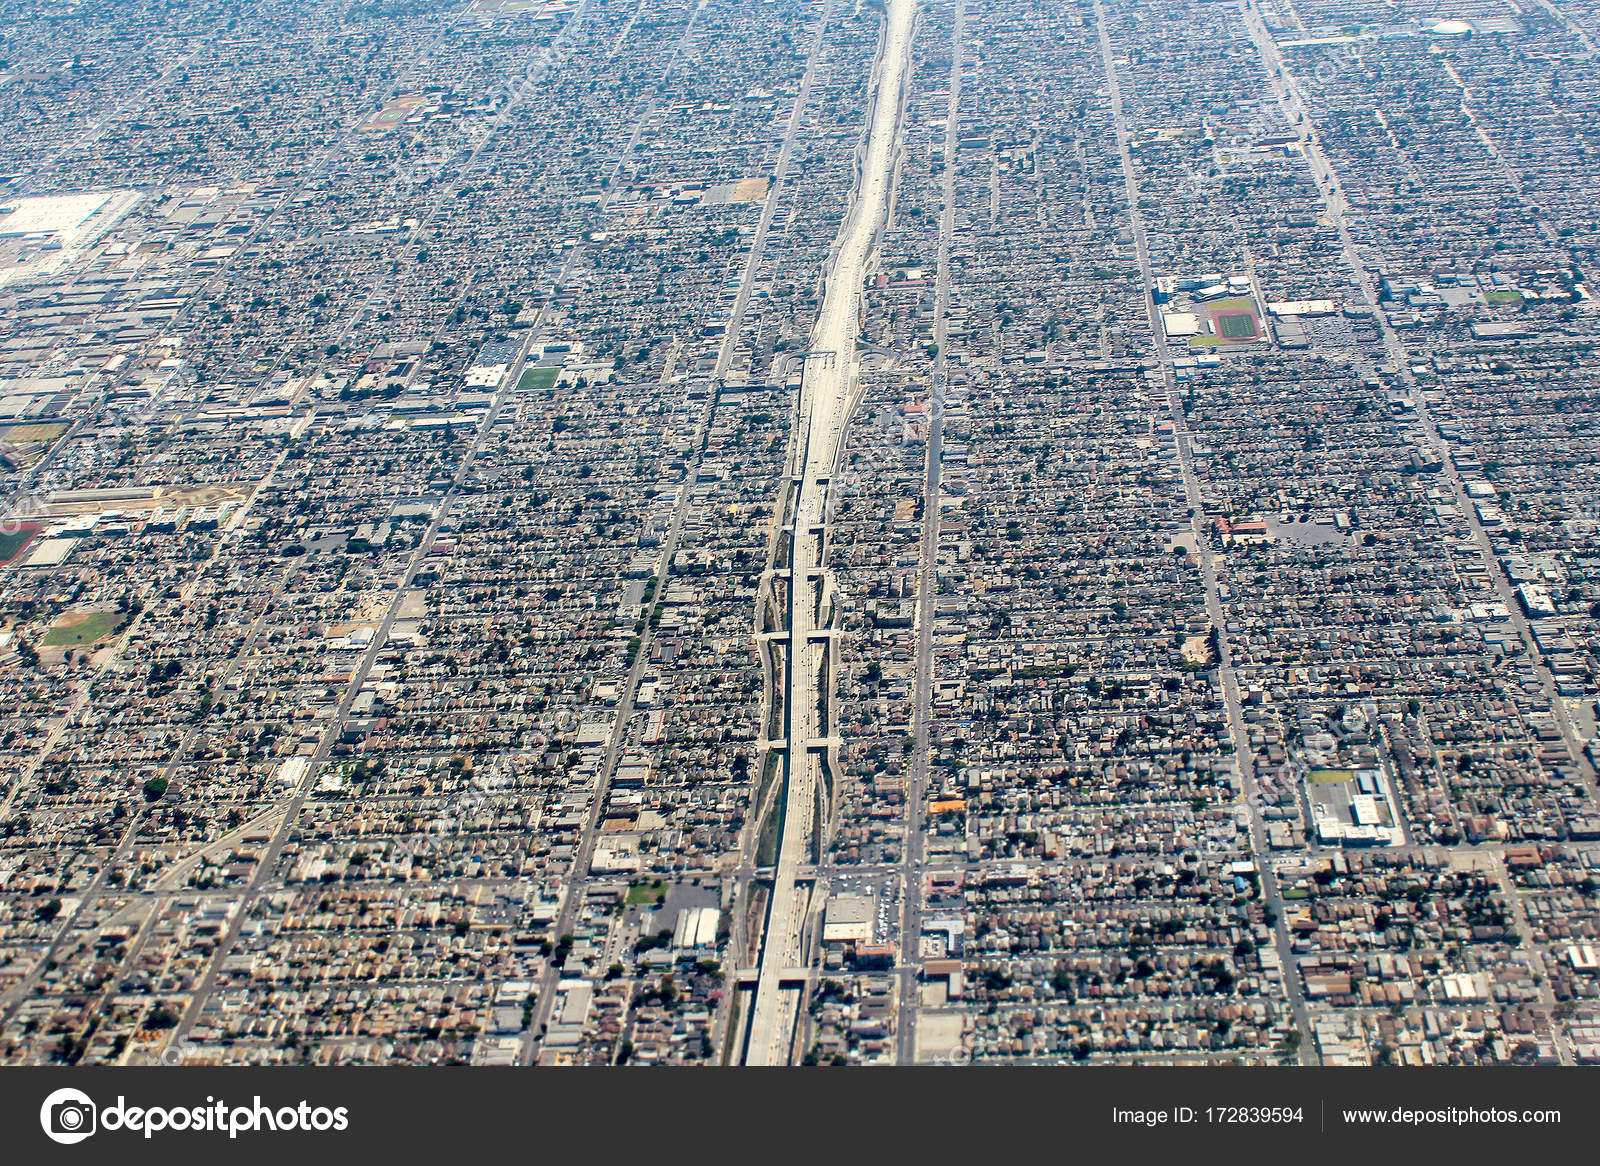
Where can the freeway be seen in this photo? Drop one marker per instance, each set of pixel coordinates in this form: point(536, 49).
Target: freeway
point(739, 941)
point(572, 896)
point(827, 394)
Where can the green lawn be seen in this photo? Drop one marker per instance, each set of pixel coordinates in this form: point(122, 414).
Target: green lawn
point(538, 378)
point(1331, 776)
point(1503, 296)
point(643, 893)
point(84, 627)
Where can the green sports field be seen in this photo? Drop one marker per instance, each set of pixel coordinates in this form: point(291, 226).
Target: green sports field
point(12, 542)
point(83, 627)
point(1237, 326)
point(538, 378)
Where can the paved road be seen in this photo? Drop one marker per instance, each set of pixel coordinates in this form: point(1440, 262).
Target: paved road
point(572, 897)
point(827, 393)
point(16, 996)
point(1246, 787)
point(273, 851)
point(738, 939)
point(1328, 184)
point(266, 870)
point(928, 581)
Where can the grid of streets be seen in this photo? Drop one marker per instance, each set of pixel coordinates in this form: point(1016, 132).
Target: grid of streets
point(799, 531)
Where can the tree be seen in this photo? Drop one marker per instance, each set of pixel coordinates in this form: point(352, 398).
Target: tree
point(162, 1017)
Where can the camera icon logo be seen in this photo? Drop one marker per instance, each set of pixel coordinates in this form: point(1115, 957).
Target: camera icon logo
point(68, 1116)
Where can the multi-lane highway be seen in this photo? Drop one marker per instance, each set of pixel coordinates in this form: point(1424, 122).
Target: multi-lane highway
point(827, 394)
point(577, 881)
